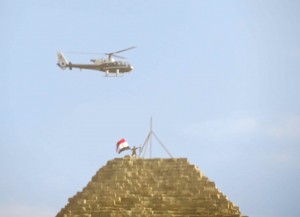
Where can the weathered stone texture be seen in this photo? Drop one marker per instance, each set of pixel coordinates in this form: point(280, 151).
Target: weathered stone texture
point(149, 187)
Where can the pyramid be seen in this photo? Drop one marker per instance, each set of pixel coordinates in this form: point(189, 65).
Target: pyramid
point(149, 187)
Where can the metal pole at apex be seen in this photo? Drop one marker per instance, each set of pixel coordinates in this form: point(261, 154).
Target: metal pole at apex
point(149, 141)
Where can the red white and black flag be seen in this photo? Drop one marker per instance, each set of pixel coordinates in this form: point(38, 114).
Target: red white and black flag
point(122, 145)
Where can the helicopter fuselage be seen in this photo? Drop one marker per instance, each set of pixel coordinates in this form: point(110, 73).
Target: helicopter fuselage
point(108, 67)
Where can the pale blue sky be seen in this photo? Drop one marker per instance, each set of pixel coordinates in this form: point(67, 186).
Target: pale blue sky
point(220, 78)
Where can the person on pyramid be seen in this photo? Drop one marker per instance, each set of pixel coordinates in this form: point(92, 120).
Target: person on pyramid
point(134, 151)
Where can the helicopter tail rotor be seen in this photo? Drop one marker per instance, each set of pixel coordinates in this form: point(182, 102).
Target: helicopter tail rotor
point(62, 62)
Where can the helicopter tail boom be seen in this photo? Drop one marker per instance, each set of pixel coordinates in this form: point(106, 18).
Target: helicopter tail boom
point(62, 62)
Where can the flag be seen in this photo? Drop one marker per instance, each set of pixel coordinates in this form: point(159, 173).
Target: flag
point(122, 145)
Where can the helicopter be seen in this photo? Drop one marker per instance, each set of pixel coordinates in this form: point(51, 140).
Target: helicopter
point(109, 65)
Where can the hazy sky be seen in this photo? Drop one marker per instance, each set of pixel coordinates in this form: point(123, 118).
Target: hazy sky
point(221, 80)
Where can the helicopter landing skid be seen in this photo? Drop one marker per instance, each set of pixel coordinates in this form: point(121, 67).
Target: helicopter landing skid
point(113, 76)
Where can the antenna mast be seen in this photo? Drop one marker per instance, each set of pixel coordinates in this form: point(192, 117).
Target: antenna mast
point(148, 141)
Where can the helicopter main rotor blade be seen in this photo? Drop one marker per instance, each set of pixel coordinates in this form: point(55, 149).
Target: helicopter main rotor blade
point(120, 51)
point(109, 54)
point(86, 53)
point(120, 57)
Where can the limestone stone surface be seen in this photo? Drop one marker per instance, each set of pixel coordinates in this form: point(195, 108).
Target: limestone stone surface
point(155, 187)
